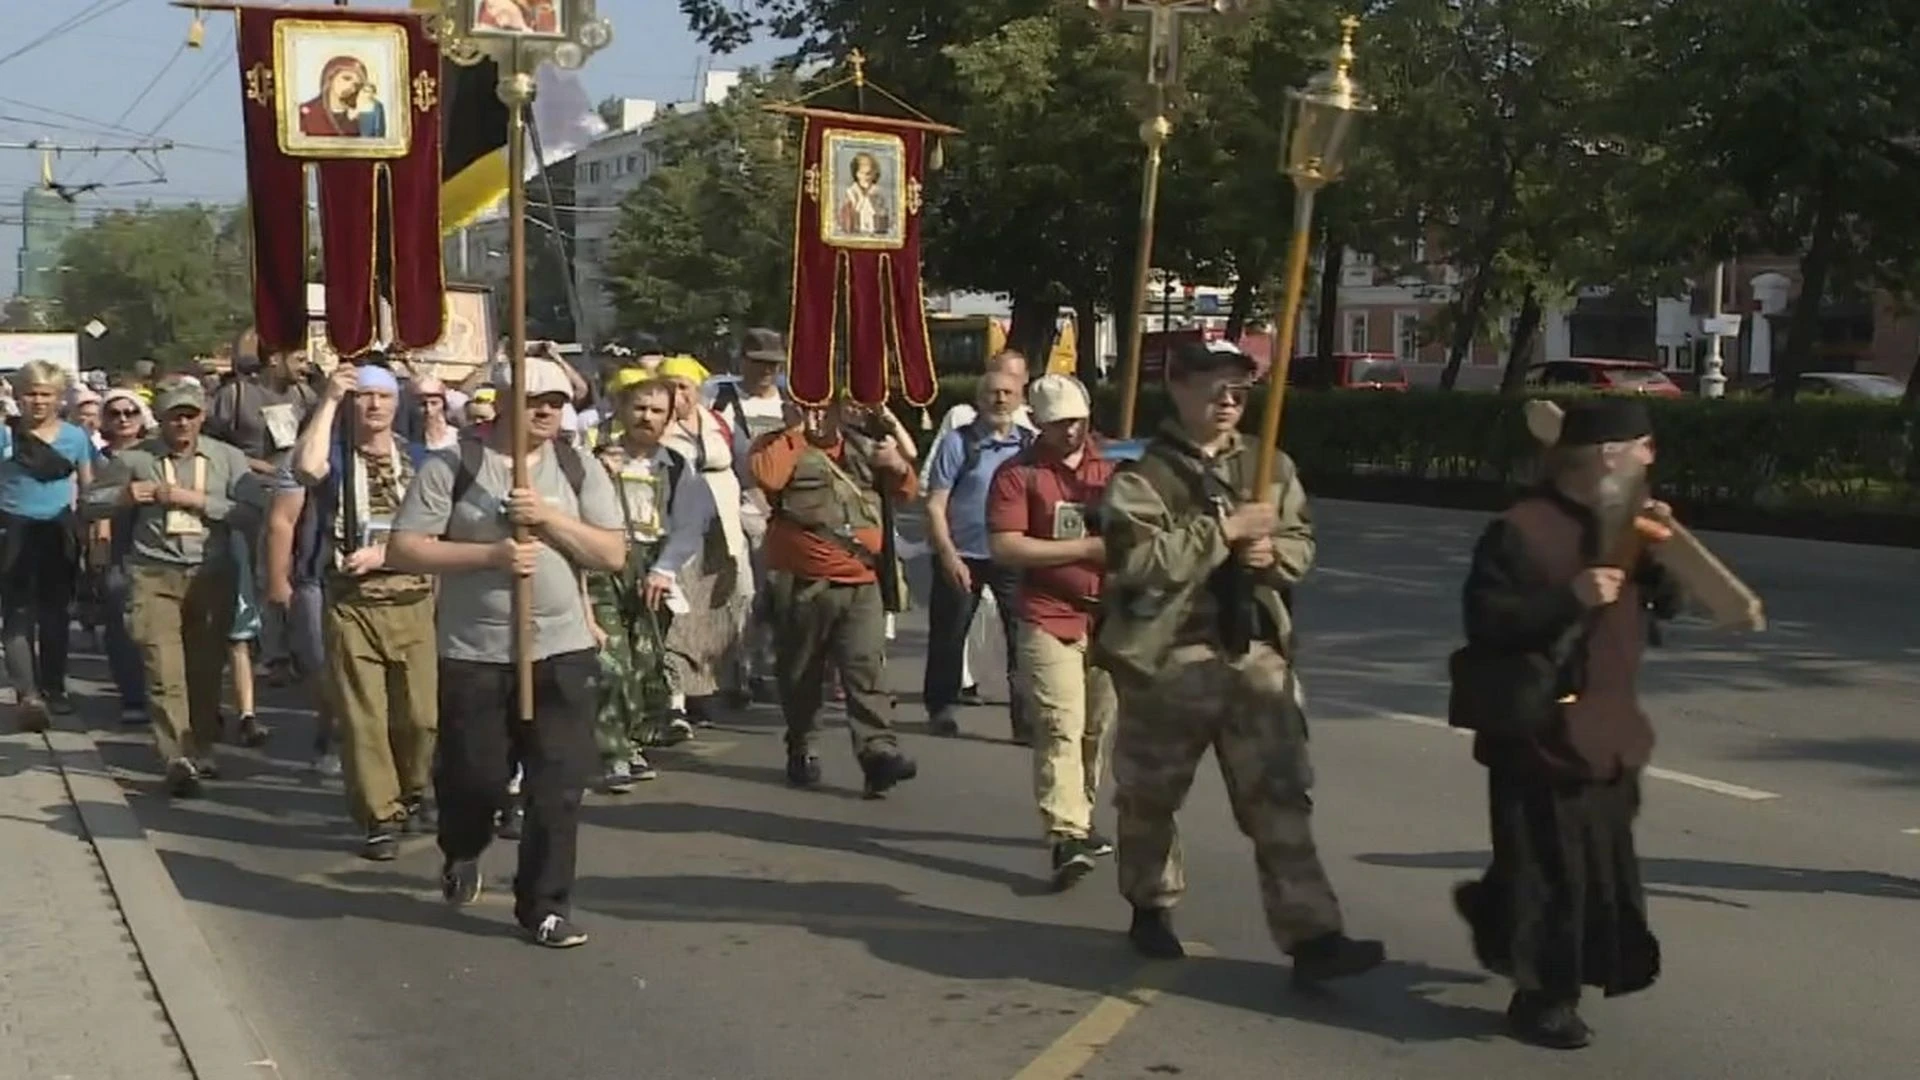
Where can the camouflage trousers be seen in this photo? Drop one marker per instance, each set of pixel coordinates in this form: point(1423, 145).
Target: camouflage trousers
point(634, 687)
point(1246, 712)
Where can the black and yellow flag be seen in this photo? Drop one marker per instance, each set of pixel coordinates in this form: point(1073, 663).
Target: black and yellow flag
point(473, 154)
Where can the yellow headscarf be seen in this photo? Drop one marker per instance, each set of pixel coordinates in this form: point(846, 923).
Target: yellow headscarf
point(627, 377)
point(684, 367)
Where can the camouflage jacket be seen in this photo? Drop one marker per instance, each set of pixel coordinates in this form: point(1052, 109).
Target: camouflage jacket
point(1165, 541)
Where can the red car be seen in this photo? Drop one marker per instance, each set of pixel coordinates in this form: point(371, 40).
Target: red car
point(1351, 371)
point(1603, 376)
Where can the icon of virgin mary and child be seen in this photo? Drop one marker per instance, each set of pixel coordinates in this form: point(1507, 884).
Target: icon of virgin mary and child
point(348, 105)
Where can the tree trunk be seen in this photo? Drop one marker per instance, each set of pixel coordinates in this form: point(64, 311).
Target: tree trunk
point(1520, 350)
point(1803, 330)
point(1326, 322)
point(1035, 321)
point(1913, 386)
point(1086, 341)
point(1467, 310)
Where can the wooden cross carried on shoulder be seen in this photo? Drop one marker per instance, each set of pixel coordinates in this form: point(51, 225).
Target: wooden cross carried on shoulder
point(1163, 29)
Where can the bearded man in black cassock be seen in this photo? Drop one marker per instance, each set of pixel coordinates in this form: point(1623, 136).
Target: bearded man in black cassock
point(1562, 905)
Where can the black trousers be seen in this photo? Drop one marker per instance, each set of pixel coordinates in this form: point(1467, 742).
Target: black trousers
point(482, 736)
point(949, 615)
point(41, 560)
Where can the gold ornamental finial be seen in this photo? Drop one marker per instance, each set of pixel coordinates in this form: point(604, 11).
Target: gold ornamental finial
point(857, 60)
point(1349, 26)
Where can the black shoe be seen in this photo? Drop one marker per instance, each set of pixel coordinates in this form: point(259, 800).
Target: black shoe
point(942, 723)
point(1021, 735)
point(183, 779)
point(1098, 845)
point(1555, 1025)
point(421, 817)
point(885, 770)
point(1470, 903)
point(58, 703)
point(382, 843)
point(208, 767)
point(803, 769)
point(1152, 934)
point(555, 932)
point(1072, 860)
point(460, 881)
point(970, 697)
point(1334, 956)
point(512, 823)
point(253, 734)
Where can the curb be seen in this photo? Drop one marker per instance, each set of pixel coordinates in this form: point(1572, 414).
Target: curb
point(216, 1037)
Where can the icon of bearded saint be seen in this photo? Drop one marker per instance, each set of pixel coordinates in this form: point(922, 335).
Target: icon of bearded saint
point(347, 105)
point(518, 16)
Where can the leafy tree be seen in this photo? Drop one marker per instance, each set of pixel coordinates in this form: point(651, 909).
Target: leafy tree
point(704, 246)
point(170, 284)
point(1792, 141)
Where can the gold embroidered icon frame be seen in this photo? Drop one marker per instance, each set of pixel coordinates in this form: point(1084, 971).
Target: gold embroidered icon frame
point(304, 51)
point(840, 149)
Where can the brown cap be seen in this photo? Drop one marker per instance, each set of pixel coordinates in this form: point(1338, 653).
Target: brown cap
point(765, 346)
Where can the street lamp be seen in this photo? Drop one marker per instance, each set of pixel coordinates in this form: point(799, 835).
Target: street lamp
point(1317, 136)
point(1163, 73)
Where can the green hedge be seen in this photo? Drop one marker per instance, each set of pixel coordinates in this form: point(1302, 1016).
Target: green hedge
point(1819, 456)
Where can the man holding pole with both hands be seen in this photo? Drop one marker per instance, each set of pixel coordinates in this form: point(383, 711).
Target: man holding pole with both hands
point(458, 522)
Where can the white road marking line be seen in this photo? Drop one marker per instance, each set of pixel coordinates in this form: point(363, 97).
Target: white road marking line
point(1911, 832)
point(1703, 783)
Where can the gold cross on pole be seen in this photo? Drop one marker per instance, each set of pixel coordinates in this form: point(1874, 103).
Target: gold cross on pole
point(1163, 72)
point(1163, 31)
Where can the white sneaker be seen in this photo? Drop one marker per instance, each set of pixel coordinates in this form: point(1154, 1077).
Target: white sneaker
point(327, 764)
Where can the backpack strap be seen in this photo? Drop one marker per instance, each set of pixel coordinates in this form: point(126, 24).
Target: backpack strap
point(572, 466)
point(473, 454)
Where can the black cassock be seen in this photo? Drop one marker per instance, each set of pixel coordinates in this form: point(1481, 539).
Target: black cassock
point(1562, 905)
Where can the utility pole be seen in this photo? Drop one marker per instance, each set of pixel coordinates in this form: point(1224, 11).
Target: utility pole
point(1713, 384)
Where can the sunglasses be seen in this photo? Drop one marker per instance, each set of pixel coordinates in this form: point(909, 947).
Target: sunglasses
point(124, 414)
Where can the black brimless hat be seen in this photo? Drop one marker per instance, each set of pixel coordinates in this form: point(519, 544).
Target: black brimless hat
point(1605, 420)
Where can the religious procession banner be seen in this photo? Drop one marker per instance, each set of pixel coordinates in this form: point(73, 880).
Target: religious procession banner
point(355, 97)
point(857, 262)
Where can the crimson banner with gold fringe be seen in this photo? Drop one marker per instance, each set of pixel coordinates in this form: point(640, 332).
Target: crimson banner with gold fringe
point(356, 96)
point(856, 263)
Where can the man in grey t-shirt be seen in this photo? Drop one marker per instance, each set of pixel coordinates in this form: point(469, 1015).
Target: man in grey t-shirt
point(457, 523)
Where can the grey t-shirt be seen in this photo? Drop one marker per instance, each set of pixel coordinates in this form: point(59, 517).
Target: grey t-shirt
point(475, 609)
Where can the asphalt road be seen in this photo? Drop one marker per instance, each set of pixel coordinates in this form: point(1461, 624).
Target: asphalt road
point(744, 931)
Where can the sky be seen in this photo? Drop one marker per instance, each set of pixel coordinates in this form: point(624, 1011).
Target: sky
point(124, 77)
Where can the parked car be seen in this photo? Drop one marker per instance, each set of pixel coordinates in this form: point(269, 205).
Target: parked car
point(1842, 384)
point(1603, 376)
point(1351, 371)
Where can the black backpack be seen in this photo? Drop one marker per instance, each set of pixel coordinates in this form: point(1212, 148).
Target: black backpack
point(473, 454)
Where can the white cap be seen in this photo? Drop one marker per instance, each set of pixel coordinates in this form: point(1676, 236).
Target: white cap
point(546, 376)
point(1058, 397)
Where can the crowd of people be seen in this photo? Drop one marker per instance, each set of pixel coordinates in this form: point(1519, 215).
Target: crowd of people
point(684, 543)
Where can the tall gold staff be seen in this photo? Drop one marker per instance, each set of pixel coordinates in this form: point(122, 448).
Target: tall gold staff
point(1321, 120)
point(1163, 72)
point(468, 33)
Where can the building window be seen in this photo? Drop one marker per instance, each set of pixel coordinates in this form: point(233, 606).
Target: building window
point(1406, 335)
point(633, 163)
point(1356, 331)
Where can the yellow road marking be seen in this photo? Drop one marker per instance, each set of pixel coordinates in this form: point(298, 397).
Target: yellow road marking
point(1094, 1032)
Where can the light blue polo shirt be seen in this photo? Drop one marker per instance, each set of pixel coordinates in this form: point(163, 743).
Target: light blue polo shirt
point(967, 503)
point(41, 500)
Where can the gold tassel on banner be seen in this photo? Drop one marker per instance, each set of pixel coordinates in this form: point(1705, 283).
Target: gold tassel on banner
point(926, 419)
point(938, 159)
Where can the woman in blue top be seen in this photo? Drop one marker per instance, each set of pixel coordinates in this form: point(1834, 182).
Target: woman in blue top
point(45, 463)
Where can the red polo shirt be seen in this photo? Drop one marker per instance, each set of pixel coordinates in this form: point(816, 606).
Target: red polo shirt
point(1039, 496)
